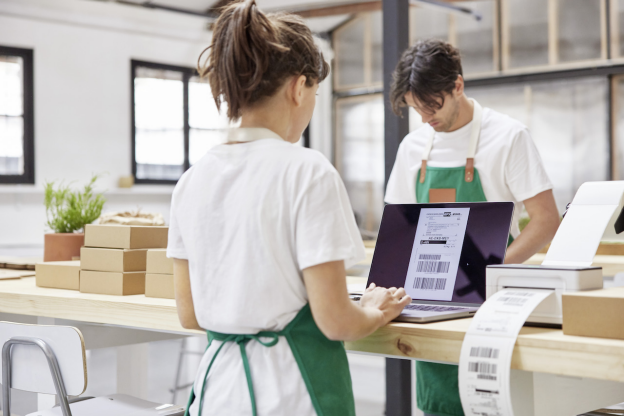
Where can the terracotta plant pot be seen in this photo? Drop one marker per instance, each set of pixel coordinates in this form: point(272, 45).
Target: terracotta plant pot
point(62, 246)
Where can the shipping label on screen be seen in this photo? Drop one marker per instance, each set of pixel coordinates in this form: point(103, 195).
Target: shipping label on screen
point(435, 255)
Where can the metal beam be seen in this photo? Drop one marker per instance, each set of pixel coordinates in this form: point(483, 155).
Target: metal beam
point(369, 6)
point(395, 41)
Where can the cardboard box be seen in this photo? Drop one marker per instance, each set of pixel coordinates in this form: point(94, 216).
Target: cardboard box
point(112, 283)
point(157, 262)
point(594, 313)
point(58, 274)
point(125, 236)
point(113, 259)
point(159, 286)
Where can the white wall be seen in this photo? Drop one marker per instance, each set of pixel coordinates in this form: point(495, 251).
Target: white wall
point(82, 53)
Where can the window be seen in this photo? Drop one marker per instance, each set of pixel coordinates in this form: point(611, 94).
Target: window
point(358, 52)
point(360, 157)
point(175, 121)
point(16, 116)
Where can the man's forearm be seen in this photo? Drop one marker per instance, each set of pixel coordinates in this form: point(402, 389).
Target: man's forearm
point(537, 233)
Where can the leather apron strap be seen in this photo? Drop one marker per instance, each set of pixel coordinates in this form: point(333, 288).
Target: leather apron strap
point(472, 146)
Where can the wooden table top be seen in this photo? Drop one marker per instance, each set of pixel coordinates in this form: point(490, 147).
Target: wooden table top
point(537, 349)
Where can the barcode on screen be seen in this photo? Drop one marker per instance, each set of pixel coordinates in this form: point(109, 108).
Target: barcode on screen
point(430, 283)
point(433, 267)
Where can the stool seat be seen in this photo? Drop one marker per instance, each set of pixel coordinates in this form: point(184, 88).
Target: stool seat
point(115, 404)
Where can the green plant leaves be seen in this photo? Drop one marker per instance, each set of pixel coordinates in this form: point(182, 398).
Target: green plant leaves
point(69, 211)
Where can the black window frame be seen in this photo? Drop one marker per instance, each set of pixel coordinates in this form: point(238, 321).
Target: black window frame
point(27, 55)
point(187, 73)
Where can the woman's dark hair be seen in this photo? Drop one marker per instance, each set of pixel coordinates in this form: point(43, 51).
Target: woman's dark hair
point(252, 54)
point(428, 70)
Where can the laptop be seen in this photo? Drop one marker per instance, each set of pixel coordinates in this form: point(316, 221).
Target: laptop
point(438, 253)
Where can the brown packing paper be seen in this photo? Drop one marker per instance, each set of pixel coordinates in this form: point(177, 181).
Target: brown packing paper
point(125, 236)
point(595, 313)
point(112, 283)
point(159, 286)
point(157, 262)
point(58, 274)
point(113, 260)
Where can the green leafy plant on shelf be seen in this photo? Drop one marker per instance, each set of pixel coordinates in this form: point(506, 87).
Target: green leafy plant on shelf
point(68, 210)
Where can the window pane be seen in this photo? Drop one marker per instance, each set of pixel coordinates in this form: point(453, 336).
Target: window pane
point(11, 145)
point(159, 104)
point(619, 126)
point(428, 22)
point(528, 32)
point(568, 122)
point(377, 46)
point(620, 22)
point(203, 111)
point(475, 38)
point(11, 82)
point(360, 156)
point(349, 47)
point(159, 124)
point(160, 148)
point(579, 30)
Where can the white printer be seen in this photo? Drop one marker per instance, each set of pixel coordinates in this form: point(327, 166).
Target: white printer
point(595, 214)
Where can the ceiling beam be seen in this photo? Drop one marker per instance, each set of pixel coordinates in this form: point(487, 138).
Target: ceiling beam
point(369, 6)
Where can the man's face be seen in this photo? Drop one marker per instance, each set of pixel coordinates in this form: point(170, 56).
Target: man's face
point(441, 120)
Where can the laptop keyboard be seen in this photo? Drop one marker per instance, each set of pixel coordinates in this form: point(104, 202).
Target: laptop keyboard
point(433, 308)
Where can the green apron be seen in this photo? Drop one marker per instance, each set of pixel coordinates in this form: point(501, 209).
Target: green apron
point(323, 364)
point(437, 392)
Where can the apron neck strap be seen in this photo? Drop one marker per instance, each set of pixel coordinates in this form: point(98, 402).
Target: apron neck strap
point(477, 114)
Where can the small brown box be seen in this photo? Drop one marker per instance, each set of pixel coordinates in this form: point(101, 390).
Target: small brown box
point(594, 313)
point(58, 274)
point(112, 283)
point(125, 236)
point(159, 286)
point(112, 260)
point(157, 262)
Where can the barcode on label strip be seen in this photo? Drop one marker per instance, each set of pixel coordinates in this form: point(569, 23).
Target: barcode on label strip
point(430, 257)
point(433, 266)
point(486, 377)
point(512, 300)
point(430, 283)
point(482, 367)
point(484, 352)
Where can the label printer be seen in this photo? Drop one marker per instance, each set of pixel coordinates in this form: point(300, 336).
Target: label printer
point(595, 214)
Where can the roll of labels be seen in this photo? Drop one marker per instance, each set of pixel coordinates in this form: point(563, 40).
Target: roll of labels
point(485, 358)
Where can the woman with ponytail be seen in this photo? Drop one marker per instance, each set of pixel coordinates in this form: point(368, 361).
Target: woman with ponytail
point(261, 232)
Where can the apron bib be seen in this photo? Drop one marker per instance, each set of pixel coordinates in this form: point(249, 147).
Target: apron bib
point(322, 363)
point(437, 391)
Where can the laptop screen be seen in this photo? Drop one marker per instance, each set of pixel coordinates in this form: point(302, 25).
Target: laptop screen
point(439, 252)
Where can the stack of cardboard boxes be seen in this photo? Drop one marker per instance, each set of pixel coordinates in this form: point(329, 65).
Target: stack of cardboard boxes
point(114, 258)
point(159, 278)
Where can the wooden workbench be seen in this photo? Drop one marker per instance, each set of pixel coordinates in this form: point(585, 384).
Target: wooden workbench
point(537, 349)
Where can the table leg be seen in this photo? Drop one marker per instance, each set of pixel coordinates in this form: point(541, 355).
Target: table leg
point(398, 387)
point(132, 368)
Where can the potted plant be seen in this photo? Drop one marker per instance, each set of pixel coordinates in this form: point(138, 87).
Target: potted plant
point(67, 213)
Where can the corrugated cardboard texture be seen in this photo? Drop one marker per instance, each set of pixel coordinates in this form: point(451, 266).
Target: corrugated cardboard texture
point(595, 313)
point(159, 286)
point(58, 274)
point(113, 260)
point(125, 236)
point(112, 283)
point(157, 262)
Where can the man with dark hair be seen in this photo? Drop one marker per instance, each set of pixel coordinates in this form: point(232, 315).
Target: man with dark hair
point(463, 153)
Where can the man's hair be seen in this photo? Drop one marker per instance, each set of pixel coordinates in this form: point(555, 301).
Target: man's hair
point(428, 70)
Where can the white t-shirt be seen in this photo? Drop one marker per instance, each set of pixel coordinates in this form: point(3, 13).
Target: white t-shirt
point(509, 165)
point(249, 218)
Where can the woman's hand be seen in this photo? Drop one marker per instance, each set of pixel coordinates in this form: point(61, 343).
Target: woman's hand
point(390, 302)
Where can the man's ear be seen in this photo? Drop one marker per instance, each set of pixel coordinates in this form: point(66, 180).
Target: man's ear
point(459, 85)
point(298, 89)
